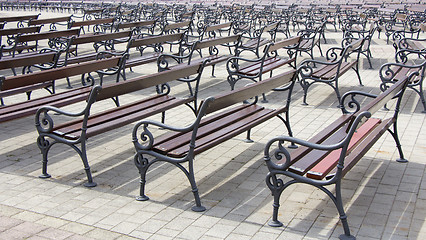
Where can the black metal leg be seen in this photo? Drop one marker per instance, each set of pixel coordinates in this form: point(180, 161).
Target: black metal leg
point(142, 165)
point(44, 146)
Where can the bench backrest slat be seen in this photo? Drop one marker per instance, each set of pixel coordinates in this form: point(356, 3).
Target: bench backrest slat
point(18, 18)
point(92, 22)
point(50, 34)
point(58, 73)
point(284, 43)
point(48, 20)
point(90, 38)
point(135, 24)
point(176, 25)
point(15, 31)
point(147, 81)
point(218, 26)
point(270, 27)
point(255, 89)
point(27, 61)
point(216, 41)
point(157, 39)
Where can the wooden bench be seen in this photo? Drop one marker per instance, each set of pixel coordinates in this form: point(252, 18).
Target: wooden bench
point(136, 27)
point(100, 25)
point(19, 19)
point(53, 22)
point(56, 39)
point(11, 33)
point(180, 145)
point(406, 64)
point(411, 44)
point(253, 43)
point(329, 72)
point(241, 68)
point(328, 156)
point(212, 45)
point(86, 125)
point(44, 60)
point(27, 108)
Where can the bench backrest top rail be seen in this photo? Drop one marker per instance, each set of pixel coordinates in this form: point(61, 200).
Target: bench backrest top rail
point(92, 22)
point(137, 42)
point(210, 28)
point(147, 81)
point(135, 24)
point(27, 60)
point(58, 73)
point(176, 25)
point(284, 43)
point(270, 27)
point(48, 20)
point(18, 18)
point(49, 34)
point(216, 41)
point(90, 38)
point(15, 31)
point(249, 91)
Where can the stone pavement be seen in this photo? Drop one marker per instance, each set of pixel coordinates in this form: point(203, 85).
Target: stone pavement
point(383, 199)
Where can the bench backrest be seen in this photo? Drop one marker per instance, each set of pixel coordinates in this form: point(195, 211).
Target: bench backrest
point(48, 35)
point(33, 22)
point(249, 91)
point(283, 43)
point(216, 41)
point(139, 42)
point(58, 73)
point(16, 31)
point(92, 38)
point(18, 18)
point(92, 22)
point(123, 25)
point(147, 81)
point(28, 60)
point(180, 25)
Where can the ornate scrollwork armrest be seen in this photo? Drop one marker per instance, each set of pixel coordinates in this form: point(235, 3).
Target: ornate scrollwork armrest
point(349, 101)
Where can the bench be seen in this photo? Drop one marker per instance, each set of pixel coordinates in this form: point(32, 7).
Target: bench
point(61, 21)
point(19, 19)
point(330, 71)
point(410, 43)
point(328, 156)
point(11, 33)
point(27, 108)
point(30, 42)
point(98, 25)
point(253, 43)
point(86, 125)
point(180, 145)
point(390, 74)
point(214, 57)
point(136, 26)
point(252, 69)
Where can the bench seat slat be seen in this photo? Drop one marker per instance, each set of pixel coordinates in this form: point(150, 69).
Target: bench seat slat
point(122, 118)
point(319, 138)
point(221, 134)
point(205, 128)
point(361, 149)
point(329, 71)
point(320, 170)
point(268, 65)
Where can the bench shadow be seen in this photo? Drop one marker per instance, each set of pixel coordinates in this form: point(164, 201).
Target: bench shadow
point(369, 200)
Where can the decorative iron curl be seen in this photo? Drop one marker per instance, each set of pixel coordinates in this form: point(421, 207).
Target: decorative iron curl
point(44, 122)
point(386, 73)
point(89, 79)
point(146, 138)
point(163, 88)
point(273, 182)
point(332, 55)
point(42, 143)
point(233, 66)
point(213, 50)
point(353, 105)
point(306, 70)
point(401, 57)
point(140, 161)
point(162, 63)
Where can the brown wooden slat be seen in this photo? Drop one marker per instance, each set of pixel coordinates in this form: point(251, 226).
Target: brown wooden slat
point(58, 73)
point(319, 138)
point(15, 31)
point(361, 149)
point(146, 81)
point(135, 24)
point(284, 43)
point(18, 18)
point(100, 37)
point(177, 25)
point(216, 41)
point(182, 140)
point(47, 35)
point(157, 39)
point(230, 98)
point(320, 170)
point(19, 61)
point(93, 22)
point(314, 156)
point(48, 20)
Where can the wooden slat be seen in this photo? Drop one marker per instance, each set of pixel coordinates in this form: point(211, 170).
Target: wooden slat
point(156, 39)
point(27, 60)
point(146, 81)
point(177, 25)
point(48, 20)
point(320, 170)
point(15, 31)
point(135, 24)
point(47, 35)
point(58, 73)
point(216, 41)
point(100, 37)
point(230, 98)
point(18, 18)
point(93, 22)
point(284, 43)
point(218, 26)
